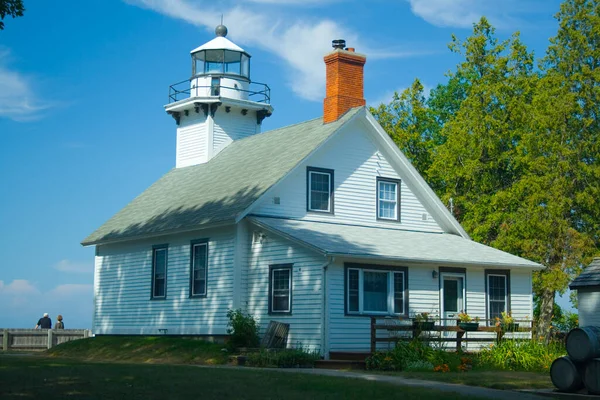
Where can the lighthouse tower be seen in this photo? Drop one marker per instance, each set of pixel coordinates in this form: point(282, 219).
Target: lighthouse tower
point(219, 103)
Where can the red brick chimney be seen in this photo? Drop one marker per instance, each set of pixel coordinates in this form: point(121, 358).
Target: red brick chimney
point(344, 81)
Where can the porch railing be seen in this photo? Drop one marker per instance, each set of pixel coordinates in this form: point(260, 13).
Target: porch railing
point(411, 331)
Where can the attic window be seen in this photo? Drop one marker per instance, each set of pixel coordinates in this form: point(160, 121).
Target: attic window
point(319, 190)
point(388, 199)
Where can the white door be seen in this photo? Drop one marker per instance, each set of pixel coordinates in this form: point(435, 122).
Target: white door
point(452, 295)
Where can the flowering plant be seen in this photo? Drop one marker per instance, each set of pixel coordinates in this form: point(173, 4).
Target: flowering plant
point(464, 317)
point(422, 317)
point(506, 319)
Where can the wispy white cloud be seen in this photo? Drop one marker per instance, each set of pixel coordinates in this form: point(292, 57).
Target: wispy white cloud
point(18, 287)
point(301, 42)
point(74, 267)
point(506, 14)
point(71, 290)
point(17, 99)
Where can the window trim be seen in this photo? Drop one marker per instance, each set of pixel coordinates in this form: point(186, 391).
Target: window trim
point(331, 190)
point(496, 272)
point(391, 270)
point(398, 183)
point(156, 248)
point(276, 267)
point(194, 243)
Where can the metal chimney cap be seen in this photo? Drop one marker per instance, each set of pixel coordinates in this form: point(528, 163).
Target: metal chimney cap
point(338, 44)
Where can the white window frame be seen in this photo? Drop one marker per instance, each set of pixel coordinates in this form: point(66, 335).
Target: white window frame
point(488, 297)
point(320, 171)
point(274, 268)
point(155, 250)
point(195, 245)
point(391, 273)
point(396, 202)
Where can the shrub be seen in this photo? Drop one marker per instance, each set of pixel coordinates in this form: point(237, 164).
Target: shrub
point(413, 355)
point(243, 329)
point(529, 355)
point(286, 358)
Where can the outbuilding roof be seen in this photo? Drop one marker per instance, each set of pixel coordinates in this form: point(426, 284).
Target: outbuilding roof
point(363, 242)
point(589, 277)
point(217, 192)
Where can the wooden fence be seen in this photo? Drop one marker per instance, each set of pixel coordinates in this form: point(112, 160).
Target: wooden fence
point(411, 330)
point(38, 339)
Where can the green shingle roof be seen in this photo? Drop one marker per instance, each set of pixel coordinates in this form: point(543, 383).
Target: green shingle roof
point(364, 242)
point(218, 191)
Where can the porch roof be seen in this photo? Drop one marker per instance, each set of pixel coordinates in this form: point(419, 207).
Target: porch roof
point(363, 242)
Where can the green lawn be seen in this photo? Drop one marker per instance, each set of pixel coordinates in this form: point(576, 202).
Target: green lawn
point(23, 377)
point(507, 380)
point(144, 349)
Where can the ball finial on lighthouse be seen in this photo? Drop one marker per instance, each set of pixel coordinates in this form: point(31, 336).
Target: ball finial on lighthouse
point(221, 30)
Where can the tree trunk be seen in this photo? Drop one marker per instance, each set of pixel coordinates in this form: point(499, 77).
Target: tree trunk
point(544, 322)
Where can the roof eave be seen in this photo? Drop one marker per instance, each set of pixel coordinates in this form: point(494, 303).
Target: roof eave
point(97, 242)
point(433, 261)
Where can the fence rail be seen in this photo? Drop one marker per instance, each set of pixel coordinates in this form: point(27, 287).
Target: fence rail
point(38, 339)
point(414, 329)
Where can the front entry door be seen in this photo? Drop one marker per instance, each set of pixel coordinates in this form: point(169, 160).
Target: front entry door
point(452, 298)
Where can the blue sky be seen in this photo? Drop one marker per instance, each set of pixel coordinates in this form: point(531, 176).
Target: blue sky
point(82, 90)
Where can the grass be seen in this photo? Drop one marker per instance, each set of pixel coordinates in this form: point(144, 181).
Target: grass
point(143, 349)
point(506, 380)
point(54, 378)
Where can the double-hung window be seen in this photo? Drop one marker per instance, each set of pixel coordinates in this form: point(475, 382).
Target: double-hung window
point(159, 271)
point(376, 290)
point(388, 199)
point(320, 190)
point(198, 268)
point(498, 293)
point(280, 289)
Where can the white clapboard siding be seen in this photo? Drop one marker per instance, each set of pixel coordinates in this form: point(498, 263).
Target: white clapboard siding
point(356, 163)
point(232, 126)
point(123, 281)
point(192, 141)
point(352, 333)
point(307, 296)
point(589, 306)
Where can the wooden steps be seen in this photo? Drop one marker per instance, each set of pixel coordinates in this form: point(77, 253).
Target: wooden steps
point(344, 360)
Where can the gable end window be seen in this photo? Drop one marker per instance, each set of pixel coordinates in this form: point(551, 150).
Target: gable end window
point(376, 290)
point(198, 268)
point(280, 289)
point(388, 199)
point(319, 190)
point(159, 271)
point(497, 293)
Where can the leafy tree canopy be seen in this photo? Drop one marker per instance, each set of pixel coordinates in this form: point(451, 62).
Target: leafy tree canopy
point(13, 8)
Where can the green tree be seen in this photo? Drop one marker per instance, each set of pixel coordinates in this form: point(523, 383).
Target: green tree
point(13, 8)
point(563, 154)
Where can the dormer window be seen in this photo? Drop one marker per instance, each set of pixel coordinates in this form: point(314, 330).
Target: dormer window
point(388, 199)
point(319, 190)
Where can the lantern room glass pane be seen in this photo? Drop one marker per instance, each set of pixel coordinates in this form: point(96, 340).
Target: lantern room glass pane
point(199, 63)
point(245, 66)
point(232, 62)
point(214, 61)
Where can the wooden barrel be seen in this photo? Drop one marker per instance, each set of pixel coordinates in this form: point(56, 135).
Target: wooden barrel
point(583, 344)
point(591, 376)
point(566, 375)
